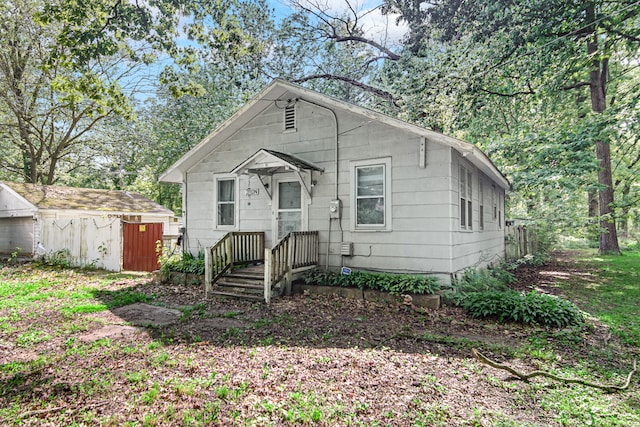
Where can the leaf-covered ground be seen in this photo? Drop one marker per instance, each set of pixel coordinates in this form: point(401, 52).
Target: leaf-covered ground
point(74, 351)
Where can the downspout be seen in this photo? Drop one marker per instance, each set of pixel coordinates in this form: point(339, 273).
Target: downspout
point(337, 158)
point(185, 240)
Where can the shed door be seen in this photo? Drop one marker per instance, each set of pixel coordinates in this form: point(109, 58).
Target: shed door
point(16, 233)
point(139, 246)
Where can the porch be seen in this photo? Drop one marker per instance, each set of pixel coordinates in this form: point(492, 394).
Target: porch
point(239, 265)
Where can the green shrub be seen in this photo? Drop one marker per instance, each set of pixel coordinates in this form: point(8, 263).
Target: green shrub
point(397, 284)
point(61, 258)
point(531, 308)
point(503, 273)
point(477, 281)
point(184, 262)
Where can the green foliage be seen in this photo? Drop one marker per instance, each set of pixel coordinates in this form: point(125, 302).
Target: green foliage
point(484, 294)
point(61, 258)
point(184, 262)
point(531, 308)
point(473, 280)
point(13, 257)
point(396, 284)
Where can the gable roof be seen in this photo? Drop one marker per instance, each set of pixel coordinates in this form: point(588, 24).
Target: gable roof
point(85, 199)
point(283, 90)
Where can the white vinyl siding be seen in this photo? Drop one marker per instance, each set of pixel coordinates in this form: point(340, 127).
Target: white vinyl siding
point(421, 205)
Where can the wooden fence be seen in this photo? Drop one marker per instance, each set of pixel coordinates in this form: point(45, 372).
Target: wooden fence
point(520, 240)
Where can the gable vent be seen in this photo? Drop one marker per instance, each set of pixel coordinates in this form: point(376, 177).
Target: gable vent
point(290, 117)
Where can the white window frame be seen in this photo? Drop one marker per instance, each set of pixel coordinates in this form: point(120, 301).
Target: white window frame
point(480, 204)
point(385, 162)
point(465, 199)
point(236, 195)
point(494, 201)
point(500, 206)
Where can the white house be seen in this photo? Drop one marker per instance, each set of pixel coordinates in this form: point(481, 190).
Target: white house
point(114, 230)
point(381, 193)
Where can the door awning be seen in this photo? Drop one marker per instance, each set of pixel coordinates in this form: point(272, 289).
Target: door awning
point(266, 163)
point(269, 162)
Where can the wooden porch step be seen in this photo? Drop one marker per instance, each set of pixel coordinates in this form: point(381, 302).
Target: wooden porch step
point(244, 296)
point(240, 277)
point(240, 284)
point(246, 284)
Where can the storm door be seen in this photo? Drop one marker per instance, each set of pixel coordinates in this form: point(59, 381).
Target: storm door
point(289, 209)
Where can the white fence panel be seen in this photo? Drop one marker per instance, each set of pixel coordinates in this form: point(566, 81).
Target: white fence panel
point(84, 241)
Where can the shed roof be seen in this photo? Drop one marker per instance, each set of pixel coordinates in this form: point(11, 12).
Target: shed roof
point(85, 199)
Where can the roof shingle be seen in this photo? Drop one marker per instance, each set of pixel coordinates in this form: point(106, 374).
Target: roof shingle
point(58, 197)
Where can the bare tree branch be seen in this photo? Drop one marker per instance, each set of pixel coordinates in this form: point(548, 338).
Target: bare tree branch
point(525, 377)
point(376, 91)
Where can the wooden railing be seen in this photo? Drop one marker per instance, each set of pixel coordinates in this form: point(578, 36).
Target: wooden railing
point(233, 248)
point(296, 250)
point(304, 249)
point(248, 247)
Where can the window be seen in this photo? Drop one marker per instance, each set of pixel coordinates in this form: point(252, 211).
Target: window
point(500, 212)
point(494, 201)
point(480, 205)
point(466, 196)
point(371, 201)
point(290, 118)
point(226, 202)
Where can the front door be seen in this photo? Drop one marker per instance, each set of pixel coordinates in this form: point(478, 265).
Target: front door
point(289, 210)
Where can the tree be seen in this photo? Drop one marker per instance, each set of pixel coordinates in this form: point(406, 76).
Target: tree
point(49, 111)
point(176, 119)
point(332, 49)
point(67, 65)
point(573, 45)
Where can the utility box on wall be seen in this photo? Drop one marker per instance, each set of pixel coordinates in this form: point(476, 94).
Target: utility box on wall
point(346, 248)
point(335, 207)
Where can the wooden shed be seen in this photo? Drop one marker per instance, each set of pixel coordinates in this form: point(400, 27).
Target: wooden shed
point(115, 230)
point(377, 193)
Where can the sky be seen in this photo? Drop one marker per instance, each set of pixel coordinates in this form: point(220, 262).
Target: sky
point(380, 28)
point(377, 26)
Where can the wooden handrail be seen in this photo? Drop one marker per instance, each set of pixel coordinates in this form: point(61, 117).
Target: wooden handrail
point(233, 248)
point(218, 259)
point(248, 246)
point(296, 250)
point(304, 249)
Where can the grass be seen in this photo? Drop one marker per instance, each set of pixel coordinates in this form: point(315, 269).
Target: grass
point(613, 295)
point(156, 380)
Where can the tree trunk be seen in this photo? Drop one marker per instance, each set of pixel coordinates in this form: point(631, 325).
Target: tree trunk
point(624, 221)
point(608, 232)
point(598, 89)
point(593, 202)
